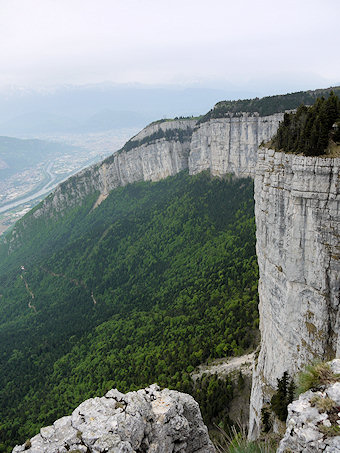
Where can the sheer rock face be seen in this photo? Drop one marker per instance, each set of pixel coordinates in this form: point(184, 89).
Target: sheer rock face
point(310, 421)
point(297, 210)
point(147, 420)
point(229, 145)
point(151, 161)
point(226, 145)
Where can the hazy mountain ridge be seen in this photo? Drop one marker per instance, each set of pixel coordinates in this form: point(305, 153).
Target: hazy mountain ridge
point(19, 154)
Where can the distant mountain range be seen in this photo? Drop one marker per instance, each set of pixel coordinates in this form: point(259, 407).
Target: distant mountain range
point(101, 107)
point(46, 122)
point(17, 155)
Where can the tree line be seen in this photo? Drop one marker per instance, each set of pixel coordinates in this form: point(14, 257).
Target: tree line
point(309, 130)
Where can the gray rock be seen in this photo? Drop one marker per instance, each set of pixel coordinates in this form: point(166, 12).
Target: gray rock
point(297, 210)
point(335, 366)
point(225, 145)
point(305, 422)
point(229, 145)
point(149, 420)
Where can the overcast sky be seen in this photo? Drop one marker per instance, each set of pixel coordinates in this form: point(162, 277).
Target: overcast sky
point(284, 44)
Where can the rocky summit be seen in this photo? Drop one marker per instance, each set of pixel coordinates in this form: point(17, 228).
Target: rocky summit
point(149, 420)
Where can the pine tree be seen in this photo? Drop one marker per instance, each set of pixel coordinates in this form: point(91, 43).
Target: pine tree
point(310, 128)
point(332, 109)
point(283, 396)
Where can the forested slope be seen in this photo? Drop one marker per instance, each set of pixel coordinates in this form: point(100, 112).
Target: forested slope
point(157, 279)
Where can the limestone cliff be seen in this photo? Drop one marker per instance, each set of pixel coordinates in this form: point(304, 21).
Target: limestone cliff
point(297, 217)
point(297, 209)
point(164, 148)
point(149, 420)
point(225, 145)
point(229, 145)
point(152, 160)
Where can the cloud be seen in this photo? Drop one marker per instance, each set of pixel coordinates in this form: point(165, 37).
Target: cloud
point(49, 42)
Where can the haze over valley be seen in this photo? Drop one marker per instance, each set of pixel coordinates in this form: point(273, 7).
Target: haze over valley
point(30, 169)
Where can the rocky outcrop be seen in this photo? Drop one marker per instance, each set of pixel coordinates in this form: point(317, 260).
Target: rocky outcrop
point(229, 145)
point(297, 209)
point(313, 423)
point(149, 420)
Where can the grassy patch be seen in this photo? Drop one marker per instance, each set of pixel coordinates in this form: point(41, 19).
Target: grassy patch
point(316, 377)
point(237, 442)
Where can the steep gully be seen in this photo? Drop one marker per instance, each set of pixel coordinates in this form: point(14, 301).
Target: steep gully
point(298, 229)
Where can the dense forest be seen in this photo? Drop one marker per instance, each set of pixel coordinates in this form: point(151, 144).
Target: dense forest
point(159, 278)
point(267, 105)
point(310, 130)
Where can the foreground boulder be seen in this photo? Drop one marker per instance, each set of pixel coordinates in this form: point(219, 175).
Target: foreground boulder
point(149, 420)
point(313, 423)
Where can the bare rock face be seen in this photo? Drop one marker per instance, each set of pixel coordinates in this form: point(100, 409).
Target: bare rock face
point(224, 145)
point(313, 421)
point(149, 420)
point(297, 210)
point(153, 160)
point(229, 145)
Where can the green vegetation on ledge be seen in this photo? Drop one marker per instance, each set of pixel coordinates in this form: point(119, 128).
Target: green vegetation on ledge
point(316, 376)
point(310, 130)
point(159, 278)
point(179, 135)
point(267, 105)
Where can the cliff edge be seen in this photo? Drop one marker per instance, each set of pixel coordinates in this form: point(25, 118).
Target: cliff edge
point(162, 149)
point(297, 210)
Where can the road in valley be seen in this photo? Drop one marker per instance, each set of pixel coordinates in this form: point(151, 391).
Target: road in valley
point(53, 180)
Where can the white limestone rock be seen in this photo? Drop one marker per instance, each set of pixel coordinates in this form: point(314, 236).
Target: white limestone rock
point(306, 424)
point(164, 125)
point(224, 145)
point(229, 145)
point(151, 161)
point(297, 210)
point(147, 420)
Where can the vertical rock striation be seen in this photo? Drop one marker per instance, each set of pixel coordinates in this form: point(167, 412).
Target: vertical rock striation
point(229, 145)
point(164, 148)
point(152, 160)
point(226, 145)
point(297, 210)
